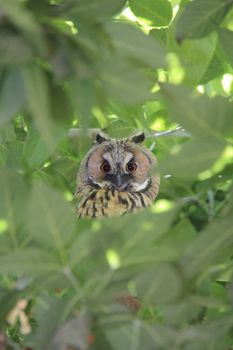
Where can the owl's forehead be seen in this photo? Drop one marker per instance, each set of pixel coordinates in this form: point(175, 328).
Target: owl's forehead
point(118, 152)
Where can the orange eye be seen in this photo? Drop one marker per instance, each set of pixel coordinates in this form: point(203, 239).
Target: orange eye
point(131, 167)
point(105, 167)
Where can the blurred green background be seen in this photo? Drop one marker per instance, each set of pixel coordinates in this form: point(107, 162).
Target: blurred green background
point(158, 280)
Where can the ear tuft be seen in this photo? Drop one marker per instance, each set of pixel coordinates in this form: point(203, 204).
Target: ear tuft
point(138, 138)
point(101, 138)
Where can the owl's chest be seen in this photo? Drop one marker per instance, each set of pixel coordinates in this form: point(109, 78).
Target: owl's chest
point(109, 203)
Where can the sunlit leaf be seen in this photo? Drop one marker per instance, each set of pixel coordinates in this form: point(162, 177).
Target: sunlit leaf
point(195, 56)
point(155, 13)
point(203, 152)
point(201, 115)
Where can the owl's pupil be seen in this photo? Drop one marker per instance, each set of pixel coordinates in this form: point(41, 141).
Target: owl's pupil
point(131, 166)
point(105, 167)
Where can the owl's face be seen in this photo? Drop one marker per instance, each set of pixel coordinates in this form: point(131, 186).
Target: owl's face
point(116, 177)
point(122, 165)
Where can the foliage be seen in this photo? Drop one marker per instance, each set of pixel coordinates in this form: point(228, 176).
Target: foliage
point(161, 279)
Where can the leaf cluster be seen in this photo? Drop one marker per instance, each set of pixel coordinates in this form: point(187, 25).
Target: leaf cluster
point(161, 279)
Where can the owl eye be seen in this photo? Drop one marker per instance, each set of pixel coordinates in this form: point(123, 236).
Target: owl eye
point(105, 167)
point(131, 167)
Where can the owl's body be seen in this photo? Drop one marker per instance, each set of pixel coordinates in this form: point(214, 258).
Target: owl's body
point(116, 177)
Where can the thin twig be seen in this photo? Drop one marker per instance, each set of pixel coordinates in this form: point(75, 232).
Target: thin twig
point(179, 131)
point(77, 132)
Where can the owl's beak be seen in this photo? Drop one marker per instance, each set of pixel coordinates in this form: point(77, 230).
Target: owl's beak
point(119, 181)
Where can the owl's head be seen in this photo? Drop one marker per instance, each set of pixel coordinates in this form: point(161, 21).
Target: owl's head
point(121, 164)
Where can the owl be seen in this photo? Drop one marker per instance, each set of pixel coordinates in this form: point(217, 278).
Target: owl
point(116, 177)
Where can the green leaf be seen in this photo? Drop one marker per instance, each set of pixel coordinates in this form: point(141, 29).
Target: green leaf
point(14, 155)
point(202, 116)
point(160, 34)
point(7, 134)
point(48, 315)
point(85, 101)
point(121, 72)
point(141, 240)
point(18, 14)
point(133, 43)
point(119, 128)
point(212, 246)
point(124, 83)
point(39, 102)
point(50, 218)
point(134, 114)
point(201, 17)
point(15, 50)
point(36, 150)
point(74, 333)
point(161, 284)
point(100, 8)
point(28, 262)
point(8, 300)
point(134, 335)
point(181, 312)
point(101, 70)
point(203, 153)
point(24, 20)
point(14, 192)
point(179, 236)
point(12, 86)
point(195, 55)
point(156, 13)
point(226, 37)
point(216, 67)
point(137, 225)
point(210, 335)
